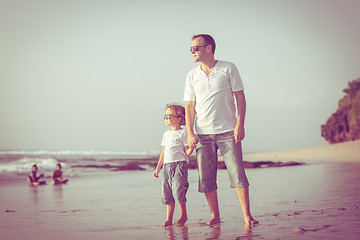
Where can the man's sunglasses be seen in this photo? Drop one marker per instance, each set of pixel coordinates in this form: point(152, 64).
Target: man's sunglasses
point(169, 116)
point(196, 48)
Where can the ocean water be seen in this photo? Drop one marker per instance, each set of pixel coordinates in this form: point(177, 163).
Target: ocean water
point(17, 164)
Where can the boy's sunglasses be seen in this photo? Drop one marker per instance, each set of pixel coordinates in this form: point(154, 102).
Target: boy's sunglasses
point(169, 116)
point(196, 48)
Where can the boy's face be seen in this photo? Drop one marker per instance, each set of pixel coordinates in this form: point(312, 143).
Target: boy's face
point(170, 118)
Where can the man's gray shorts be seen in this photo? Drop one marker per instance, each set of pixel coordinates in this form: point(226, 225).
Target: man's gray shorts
point(206, 152)
point(175, 182)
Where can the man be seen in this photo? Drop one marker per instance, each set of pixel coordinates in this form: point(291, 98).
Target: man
point(210, 109)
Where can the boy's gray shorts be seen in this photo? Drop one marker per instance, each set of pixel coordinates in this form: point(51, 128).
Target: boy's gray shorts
point(175, 182)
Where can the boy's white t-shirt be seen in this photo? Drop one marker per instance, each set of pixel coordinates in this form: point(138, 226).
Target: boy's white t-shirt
point(174, 143)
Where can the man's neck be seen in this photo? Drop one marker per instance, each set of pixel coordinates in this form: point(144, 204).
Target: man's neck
point(207, 66)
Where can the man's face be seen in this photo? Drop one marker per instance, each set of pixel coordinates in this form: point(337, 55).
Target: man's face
point(201, 49)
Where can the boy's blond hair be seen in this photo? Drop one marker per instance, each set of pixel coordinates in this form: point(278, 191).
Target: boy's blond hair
point(179, 112)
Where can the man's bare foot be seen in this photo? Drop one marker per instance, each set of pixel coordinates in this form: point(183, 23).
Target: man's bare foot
point(251, 221)
point(181, 221)
point(167, 223)
point(213, 221)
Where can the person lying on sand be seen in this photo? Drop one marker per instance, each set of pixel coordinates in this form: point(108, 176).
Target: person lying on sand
point(33, 179)
point(56, 176)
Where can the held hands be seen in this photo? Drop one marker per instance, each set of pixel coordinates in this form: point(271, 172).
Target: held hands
point(193, 139)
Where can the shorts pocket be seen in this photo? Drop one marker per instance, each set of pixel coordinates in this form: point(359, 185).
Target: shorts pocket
point(183, 169)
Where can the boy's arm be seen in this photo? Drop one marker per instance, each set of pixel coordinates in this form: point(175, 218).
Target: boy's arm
point(37, 178)
point(31, 176)
point(160, 163)
point(189, 150)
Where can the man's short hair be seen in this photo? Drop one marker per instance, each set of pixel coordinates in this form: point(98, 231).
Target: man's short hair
point(208, 40)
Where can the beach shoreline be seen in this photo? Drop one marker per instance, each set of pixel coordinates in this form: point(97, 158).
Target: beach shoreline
point(18, 165)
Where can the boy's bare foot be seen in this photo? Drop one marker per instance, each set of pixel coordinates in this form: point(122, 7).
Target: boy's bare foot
point(181, 221)
point(251, 221)
point(167, 223)
point(214, 221)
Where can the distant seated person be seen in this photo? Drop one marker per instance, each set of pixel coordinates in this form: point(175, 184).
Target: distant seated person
point(33, 179)
point(56, 176)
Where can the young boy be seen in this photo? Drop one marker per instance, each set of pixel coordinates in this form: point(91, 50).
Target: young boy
point(174, 157)
point(33, 179)
point(56, 176)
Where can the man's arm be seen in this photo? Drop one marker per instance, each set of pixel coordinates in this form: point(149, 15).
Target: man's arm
point(190, 118)
point(239, 132)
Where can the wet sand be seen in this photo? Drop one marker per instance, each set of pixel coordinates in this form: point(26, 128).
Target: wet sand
point(319, 200)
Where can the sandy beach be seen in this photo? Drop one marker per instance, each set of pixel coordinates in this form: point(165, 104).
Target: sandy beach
point(340, 152)
point(319, 200)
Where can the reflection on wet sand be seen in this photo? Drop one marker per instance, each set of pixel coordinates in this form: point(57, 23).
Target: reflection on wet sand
point(35, 195)
point(215, 231)
point(58, 192)
point(183, 232)
point(247, 233)
point(178, 233)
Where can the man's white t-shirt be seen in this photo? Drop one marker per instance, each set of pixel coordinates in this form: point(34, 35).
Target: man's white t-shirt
point(174, 143)
point(215, 110)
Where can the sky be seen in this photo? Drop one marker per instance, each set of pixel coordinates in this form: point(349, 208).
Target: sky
point(96, 75)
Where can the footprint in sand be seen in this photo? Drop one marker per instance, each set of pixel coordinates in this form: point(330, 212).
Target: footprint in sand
point(303, 230)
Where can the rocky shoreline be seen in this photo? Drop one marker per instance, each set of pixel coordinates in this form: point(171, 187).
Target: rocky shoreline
point(344, 124)
point(137, 165)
